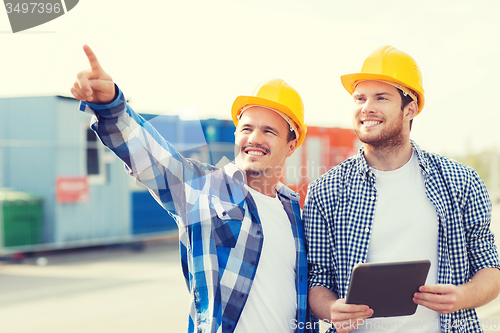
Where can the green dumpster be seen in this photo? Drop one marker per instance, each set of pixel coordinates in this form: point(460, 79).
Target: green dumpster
point(21, 216)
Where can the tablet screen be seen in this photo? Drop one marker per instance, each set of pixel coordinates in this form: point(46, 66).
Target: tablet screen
point(388, 288)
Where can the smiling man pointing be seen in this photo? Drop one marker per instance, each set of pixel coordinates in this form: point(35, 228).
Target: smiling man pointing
point(241, 234)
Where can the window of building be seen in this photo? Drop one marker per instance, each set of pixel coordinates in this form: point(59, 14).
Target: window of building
point(94, 163)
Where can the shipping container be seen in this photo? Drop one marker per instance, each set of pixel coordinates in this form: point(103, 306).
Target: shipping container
point(322, 149)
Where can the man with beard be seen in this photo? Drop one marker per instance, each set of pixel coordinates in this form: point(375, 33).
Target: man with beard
point(395, 202)
point(240, 230)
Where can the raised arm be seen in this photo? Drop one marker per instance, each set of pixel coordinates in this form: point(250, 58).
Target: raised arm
point(149, 158)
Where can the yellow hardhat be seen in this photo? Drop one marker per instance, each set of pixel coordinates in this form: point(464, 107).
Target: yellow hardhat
point(388, 64)
point(279, 96)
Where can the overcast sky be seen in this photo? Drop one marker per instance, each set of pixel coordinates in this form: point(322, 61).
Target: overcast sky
point(167, 54)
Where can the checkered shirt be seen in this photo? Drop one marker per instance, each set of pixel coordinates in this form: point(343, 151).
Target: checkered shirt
point(339, 211)
point(220, 232)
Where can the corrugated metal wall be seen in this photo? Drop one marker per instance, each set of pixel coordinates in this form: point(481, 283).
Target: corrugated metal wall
point(42, 138)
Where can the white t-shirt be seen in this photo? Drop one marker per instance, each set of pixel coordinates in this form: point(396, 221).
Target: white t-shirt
point(272, 301)
point(405, 227)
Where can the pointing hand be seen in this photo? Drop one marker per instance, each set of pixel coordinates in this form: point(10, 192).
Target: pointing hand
point(93, 85)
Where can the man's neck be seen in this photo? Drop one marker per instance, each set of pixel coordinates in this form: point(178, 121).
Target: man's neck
point(388, 158)
point(264, 185)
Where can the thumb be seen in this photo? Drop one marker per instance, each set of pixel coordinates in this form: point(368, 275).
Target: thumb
point(103, 91)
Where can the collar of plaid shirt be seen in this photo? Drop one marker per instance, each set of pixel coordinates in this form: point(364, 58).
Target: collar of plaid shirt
point(366, 172)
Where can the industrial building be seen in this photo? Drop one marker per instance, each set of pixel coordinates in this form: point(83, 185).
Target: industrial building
point(60, 187)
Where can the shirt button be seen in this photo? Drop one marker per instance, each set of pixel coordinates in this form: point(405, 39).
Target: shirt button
point(242, 295)
point(259, 232)
point(372, 197)
point(224, 213)
point(367, 230)
point(252, 263)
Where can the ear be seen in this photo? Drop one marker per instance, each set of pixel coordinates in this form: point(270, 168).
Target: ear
point(411, 110)
point(292, 146)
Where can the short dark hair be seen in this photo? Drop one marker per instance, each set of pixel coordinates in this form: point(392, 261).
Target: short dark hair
point(405, 100)
point(291, 136)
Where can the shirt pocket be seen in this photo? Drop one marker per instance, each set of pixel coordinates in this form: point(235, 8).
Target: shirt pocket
point(227, 219)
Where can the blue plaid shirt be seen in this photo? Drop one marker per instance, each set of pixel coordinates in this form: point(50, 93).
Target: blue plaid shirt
point(220, 231)
point(339, 211)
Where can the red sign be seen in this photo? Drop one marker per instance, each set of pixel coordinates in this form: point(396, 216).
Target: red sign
point(72, 189)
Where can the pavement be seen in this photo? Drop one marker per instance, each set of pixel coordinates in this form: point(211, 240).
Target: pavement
point(116, 289)
point(111, 290)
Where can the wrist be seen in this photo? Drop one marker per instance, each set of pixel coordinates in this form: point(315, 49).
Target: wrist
point(117, 94)
point(112, 109)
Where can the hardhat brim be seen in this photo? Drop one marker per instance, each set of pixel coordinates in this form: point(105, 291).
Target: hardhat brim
point(349, 83)
point(241, 101)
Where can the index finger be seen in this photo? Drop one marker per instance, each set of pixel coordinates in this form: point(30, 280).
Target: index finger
point(94, 63)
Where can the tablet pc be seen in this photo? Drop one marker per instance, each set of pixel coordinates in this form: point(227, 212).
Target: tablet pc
point(388, 287)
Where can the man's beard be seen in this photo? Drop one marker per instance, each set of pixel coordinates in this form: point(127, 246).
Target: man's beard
point(254, 173)
point(266, 171)
point(389, 138)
